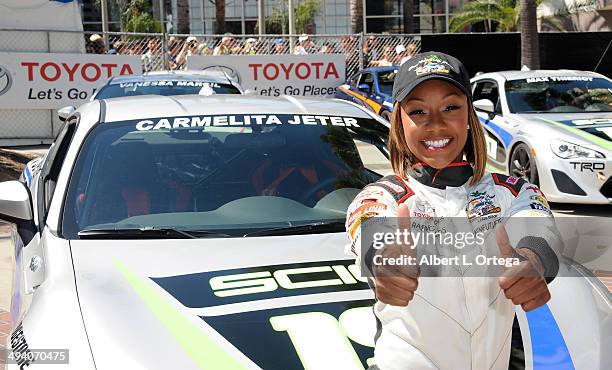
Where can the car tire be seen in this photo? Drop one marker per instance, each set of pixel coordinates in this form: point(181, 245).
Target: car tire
point(386, 115)
point(522, 164)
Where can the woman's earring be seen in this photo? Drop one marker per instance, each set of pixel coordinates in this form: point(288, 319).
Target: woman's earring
point(468, 126)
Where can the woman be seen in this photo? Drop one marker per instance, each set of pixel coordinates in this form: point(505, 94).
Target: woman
point(455, 320)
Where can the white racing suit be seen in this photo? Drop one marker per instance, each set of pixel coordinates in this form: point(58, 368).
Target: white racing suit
point(453, 322)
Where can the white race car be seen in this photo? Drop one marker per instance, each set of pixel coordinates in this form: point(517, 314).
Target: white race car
point(197, 232)
point(553, 128)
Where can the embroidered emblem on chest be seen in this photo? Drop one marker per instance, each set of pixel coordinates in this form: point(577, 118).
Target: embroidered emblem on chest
point(481, 204)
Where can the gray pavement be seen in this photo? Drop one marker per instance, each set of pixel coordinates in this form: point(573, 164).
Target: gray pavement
point(38, 150)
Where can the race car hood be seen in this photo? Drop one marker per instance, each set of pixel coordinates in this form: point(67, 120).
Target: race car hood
point(596, 128)
point(279, 302)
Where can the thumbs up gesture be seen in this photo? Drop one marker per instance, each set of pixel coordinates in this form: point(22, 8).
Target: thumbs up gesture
point(524, 283)
point(395, 285)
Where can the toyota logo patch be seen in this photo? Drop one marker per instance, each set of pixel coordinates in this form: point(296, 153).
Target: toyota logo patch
point(5, 80)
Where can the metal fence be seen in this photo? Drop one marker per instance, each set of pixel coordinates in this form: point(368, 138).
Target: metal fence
point(170, 51)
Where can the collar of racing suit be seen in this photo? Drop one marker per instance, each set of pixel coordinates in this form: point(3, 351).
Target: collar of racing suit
point(454, 175)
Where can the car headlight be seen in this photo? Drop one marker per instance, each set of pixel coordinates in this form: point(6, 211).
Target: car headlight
point(567, 150)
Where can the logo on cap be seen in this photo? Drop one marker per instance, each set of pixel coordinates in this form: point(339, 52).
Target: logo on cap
point(431, 64)
point(6, 80)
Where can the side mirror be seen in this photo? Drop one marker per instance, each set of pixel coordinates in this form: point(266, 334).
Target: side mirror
point(65, 112)
point(484, 105)
point(15, 202)
point(365, 88)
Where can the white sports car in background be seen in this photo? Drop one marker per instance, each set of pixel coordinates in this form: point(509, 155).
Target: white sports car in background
point(553, 128)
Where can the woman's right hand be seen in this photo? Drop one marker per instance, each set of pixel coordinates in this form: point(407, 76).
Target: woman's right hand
point(395, 285)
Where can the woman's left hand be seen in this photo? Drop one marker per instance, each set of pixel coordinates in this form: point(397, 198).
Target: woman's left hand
point(523, 283)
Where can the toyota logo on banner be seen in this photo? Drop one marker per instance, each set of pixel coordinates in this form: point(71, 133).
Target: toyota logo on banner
point(5, 80)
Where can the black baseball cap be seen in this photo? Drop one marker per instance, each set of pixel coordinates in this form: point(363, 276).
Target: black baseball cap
point(428, 66)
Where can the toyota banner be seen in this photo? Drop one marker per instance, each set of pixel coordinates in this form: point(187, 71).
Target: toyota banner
point(51, 81)
point(274, 75)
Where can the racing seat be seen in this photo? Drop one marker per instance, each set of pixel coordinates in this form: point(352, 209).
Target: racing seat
point(302, 177)
point(132, 185)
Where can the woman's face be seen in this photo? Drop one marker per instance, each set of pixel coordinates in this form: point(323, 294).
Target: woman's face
point(435, 120)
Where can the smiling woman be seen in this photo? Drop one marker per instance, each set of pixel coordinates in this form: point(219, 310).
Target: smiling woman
point(438, 155)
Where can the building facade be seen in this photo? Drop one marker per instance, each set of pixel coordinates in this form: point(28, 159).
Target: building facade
point(334, 16)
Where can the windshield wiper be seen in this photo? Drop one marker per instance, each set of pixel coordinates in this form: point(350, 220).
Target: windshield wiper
point(312, 228)
point(146, 233)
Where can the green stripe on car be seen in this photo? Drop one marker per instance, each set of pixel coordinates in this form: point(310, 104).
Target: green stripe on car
point(203, 350)
point(587, 136)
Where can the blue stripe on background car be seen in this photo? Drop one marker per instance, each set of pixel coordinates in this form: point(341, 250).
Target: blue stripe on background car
point(504, 135)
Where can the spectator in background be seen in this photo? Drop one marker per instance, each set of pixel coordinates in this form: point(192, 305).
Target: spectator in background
point(97, 43)
point(224, 48)
point(280, 46)
point(370, 53)
point(412, 50)
point(139, 48)
point(174, 49)
point(328, 48)
point(190, 47)
point(152, 60)
point(261, 47)
point(235, 49)
point(401, 55)
point(89, 48)
point(112, 49)
point(386, 60)
point(305, 46)
point(351, 54)
point(204, 49)
point(249, 47)
point(122, 47)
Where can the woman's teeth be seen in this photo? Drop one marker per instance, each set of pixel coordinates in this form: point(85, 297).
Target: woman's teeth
point(437, 143)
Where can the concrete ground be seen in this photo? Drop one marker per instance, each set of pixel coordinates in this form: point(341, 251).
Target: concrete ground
point(6, 274)
point(38, 150)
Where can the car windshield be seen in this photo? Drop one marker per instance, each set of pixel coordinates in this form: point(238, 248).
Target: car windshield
point(165, 87)
point(225, 174)
point(385, 81)
point(559, 95)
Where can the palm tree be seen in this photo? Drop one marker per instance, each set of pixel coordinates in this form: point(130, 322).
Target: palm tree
point(508, 16)
point(504, 13)
point(183, 16)
point(356, 16)
point(408, 15)
point(530, 45)
point(219, 16)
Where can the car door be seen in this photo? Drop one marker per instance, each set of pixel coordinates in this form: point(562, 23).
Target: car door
point(33, 253)
point(376, 95)
point(348, 91)
point(498, 136)
point(364, 96)
point(28, 256)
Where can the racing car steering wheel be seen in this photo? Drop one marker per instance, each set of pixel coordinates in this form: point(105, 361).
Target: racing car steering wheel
point(318, 187)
